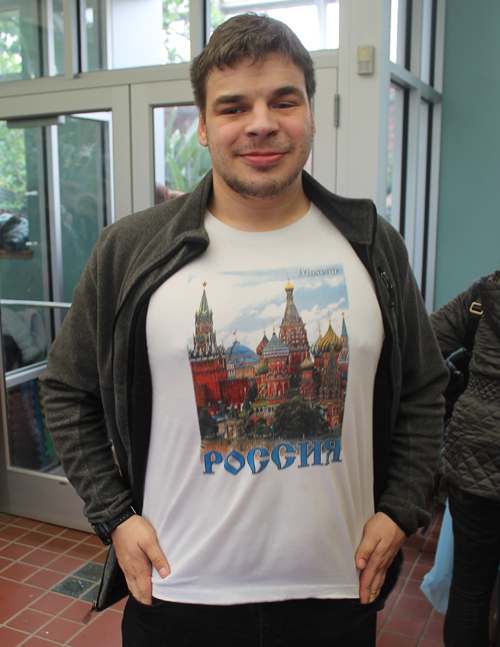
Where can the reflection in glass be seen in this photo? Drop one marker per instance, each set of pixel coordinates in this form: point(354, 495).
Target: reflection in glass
point(24, 270)
point(43, 252)
point(84, 170)
point(29, 441)
point(24, 332)
point(31, 39)
point(77, 150)
point(315, 23)
point(180, 160)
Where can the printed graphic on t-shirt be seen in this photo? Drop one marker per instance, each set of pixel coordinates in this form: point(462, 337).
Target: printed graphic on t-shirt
point(271, 400)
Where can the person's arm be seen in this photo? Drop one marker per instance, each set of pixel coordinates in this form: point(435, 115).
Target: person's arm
point(76, 421)
point(450, 321)
point(74, 409)
point(415, 441)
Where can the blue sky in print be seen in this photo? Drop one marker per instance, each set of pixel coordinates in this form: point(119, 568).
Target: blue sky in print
point(244, 301)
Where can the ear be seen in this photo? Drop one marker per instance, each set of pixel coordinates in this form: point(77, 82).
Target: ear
point(313, 123)
point(202, 130)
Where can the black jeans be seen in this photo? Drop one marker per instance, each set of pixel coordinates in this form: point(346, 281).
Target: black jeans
point(476, 558)
point(292, 623)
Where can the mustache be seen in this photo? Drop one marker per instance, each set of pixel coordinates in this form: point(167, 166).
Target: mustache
point(269, 146)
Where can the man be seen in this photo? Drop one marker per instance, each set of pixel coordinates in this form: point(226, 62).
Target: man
point(273, 489)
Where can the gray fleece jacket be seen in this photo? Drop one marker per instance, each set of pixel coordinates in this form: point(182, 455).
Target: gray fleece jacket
point(471, 456)
point(98, 378)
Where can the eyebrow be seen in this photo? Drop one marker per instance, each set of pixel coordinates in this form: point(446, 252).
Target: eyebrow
point(225, 99)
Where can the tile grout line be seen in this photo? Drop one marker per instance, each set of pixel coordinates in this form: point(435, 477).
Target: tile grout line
point(44, 591)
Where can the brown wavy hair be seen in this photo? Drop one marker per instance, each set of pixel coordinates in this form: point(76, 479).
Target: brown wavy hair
point(254, 36)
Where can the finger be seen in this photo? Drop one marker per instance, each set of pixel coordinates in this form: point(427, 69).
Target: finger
point(365, 550)
point(145, 590)
point(370, 583)
point(155, 555)
point(140, 588)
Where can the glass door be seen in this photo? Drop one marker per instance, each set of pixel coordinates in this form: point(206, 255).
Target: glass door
point(55, 197)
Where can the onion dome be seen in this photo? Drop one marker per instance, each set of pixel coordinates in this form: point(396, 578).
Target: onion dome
point(315, 347)
point(276, 348)
point(306, 363)
point(262, 368)
point(330, 341)
point(291, 316)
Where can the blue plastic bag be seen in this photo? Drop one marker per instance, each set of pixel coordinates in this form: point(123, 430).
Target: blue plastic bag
point(436, 584)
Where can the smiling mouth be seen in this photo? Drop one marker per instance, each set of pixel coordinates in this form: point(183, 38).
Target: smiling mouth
point(263, 158)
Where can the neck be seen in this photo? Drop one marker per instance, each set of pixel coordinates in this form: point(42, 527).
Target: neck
point(253, 214)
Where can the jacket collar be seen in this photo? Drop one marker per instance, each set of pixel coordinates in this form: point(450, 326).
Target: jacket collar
point(182, 219)
point(355, 218)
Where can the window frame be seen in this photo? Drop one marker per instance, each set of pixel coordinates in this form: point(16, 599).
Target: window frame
point(420, 165)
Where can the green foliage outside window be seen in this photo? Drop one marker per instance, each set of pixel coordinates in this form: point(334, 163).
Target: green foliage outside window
point(176, 23)
point(10, 43)
point(186, 161)
point(12, 168)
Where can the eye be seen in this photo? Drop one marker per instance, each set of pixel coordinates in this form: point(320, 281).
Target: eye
point(284, 104)
point(233, 111)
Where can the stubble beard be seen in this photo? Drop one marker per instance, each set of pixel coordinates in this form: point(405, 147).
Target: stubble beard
point(273, 187)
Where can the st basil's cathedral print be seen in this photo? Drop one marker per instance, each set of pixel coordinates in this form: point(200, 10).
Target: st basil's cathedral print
point(286, 389)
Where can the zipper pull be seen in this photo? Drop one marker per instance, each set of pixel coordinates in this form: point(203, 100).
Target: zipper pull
point(87, 616)
point(388, 285)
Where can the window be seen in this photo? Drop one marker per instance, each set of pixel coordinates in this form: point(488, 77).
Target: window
point(54, 200)
point(31, 39)
point(180, 160)
point(414, 131)
point(122, 33)
point(396, 181)
point(315, 23)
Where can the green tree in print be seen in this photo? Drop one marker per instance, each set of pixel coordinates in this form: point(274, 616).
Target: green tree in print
point(208, 426)
point(294, 419)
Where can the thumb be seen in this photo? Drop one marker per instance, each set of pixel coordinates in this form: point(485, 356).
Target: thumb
point(158, 559)
point(363, 553)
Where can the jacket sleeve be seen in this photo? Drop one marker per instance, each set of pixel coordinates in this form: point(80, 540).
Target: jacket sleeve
point(74, 408)
point(450, 321)
point(417, 419)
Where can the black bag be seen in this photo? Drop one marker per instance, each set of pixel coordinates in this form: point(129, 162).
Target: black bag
point(458, 362)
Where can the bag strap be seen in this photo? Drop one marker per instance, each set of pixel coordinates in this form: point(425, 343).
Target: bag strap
point(475, 312)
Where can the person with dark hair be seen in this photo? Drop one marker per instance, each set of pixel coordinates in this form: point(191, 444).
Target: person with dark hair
point(470, 462)
point(265, 486)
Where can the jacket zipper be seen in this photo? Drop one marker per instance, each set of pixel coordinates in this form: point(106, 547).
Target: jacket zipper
point(388, 285)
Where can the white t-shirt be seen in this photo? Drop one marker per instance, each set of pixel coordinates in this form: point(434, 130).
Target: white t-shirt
point(260, 470)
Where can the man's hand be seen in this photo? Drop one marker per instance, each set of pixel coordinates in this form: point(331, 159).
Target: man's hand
point(137, 549)
point(382, 538)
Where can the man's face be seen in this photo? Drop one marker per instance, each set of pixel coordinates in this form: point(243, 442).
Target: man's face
point(258, 126)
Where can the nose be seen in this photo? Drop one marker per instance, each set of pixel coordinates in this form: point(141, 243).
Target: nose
point(262, 122)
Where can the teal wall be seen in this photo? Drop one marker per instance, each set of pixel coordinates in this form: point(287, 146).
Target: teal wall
point(468, 243)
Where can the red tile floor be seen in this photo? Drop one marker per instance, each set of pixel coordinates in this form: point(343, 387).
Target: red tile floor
point(48, 576)
point(409, 620)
